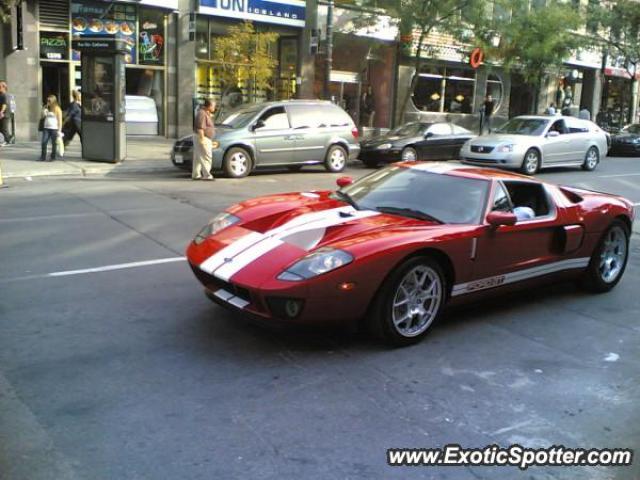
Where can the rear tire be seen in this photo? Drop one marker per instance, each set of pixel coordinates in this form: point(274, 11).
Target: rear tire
point(591, 159)
point(409, 302)
point(237, 163)
point(531, 162)
point(609, 259)
point(336, 159)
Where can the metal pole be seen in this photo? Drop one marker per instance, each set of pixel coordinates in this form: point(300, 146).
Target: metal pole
point(329, 53)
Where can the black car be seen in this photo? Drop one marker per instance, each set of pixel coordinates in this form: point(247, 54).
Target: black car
point(627, 142)
point(415, 141)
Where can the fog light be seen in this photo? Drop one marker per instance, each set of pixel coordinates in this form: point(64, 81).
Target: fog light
point(292, 308)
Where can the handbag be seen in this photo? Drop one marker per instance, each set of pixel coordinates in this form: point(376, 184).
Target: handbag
point(60, 146)
point(41, 125)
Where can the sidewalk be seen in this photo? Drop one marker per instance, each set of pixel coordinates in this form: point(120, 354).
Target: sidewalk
point(144, 154)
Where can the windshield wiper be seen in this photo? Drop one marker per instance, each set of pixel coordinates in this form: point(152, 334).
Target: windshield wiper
point(347, 198)
point(409, 212)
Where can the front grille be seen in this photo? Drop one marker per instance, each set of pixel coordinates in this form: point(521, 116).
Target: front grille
point(480, 160)
point(183, 146)
point(214, 283)
point(481, 149)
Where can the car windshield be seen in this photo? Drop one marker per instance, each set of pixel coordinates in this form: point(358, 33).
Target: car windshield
point(416, 193)
point(239, 118)
point(410, 129)
point(523, 126)
point(635, 128)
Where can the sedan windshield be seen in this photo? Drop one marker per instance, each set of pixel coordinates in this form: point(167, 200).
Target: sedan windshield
point(415, 193)
point(410, 130)
point(239, 118)
point(523, 126)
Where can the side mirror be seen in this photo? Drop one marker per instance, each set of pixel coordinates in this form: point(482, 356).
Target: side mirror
point(428, 135)
point(344, 181)
point(497, 219)
point(553, 134)
point(257, 125)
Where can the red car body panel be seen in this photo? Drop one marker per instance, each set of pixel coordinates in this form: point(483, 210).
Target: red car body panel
point(479, 259)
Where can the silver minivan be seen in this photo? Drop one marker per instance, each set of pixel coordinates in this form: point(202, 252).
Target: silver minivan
point(291, 133)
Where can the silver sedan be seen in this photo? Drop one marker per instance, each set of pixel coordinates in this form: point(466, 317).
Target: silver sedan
point(529, 143)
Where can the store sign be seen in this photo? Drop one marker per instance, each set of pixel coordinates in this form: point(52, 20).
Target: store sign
point(282, 12)
point(100, 19)
point(54, 46)
point(151, 38)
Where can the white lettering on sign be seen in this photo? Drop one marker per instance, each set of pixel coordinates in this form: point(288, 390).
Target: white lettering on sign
point(235, 5)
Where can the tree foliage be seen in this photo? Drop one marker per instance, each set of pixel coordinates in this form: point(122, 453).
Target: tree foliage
point(244, 56)
point(5, 9)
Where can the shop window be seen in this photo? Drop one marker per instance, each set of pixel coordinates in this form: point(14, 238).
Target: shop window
point(288, 62)
point(151, 39)
point(495, 89)
point(202, 38)
point(447, 90)
point(274, 119)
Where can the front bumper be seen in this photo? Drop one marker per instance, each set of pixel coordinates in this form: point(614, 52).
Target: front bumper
point(495, 159)
point(381, 156)
point(625, 149)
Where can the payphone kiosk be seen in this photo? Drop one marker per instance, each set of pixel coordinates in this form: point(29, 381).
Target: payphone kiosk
point(103, 98)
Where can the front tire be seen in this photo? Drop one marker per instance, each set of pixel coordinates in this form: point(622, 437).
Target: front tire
point(591, 159)
point(609, 260)
point(531, 162)
point(237, 163)
point(409, 154)
point(336, 159)
point(409, 302)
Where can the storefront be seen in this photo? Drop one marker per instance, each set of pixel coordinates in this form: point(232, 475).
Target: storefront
point(240, 62)
point(617, 98)
point(143, 26)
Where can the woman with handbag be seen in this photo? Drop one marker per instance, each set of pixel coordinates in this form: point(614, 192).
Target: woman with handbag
point(51, 127)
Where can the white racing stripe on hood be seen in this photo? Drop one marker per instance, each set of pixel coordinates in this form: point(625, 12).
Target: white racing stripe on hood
point(310, 226)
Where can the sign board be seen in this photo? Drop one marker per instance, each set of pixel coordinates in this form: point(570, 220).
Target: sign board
point(281, 12)
point(54, 46)
point(100, 44)
point(344, 77)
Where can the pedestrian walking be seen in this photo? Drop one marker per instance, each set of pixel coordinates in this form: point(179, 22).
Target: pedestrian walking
point(368, 107)
point(488, 107)
point(73, 119)
point(4, 114)
point(51, 127)
point(202, 141)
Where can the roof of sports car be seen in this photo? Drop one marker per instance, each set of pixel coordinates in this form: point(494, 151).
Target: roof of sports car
point(464, 170)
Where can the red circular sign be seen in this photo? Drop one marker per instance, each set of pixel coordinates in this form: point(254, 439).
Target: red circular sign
point(476, 58)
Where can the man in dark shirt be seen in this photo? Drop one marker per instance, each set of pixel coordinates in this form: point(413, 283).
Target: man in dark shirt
point(489, 107)
point(4, 114)
point(204, 132)
point(73, 122)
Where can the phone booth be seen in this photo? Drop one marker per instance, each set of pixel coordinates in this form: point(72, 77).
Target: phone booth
point(103, 102)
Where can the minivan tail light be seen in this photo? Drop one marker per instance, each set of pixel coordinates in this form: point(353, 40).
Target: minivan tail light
point(354, 132)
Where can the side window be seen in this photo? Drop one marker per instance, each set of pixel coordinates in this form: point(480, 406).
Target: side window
point(528, 194)
point(440, 129)
point(558, 126)
point(501, 201)
point(274, 119)
point(335, 116)
point(576, 126)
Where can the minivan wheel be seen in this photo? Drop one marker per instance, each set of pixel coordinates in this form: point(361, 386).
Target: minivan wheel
point(237, 163)
point(531, 162)
point(591, 159)
point(336, 159)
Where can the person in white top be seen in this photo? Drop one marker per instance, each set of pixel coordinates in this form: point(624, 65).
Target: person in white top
point(52, 127)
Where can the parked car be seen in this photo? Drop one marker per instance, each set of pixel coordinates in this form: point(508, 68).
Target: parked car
point(415, 141)
point(529, 143)
point(394, 247)
point(627, 142)
point(291, 133)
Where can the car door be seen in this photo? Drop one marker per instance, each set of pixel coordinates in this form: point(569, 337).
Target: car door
point(556, 146)
point(578, 135)
point(510, 253)
point(274, 140)
point(438, 143)
point(311, 125)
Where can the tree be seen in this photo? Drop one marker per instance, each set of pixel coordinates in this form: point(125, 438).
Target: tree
point(616, 28)
point(533, 40)
point(245, 57)
point(5, 9)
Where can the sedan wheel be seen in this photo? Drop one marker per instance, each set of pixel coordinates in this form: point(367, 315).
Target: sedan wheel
point(409, 302)
point(237, 163)
point(409, 154)
point(531, 162)
point(609, 259)
point(591, 159)
point(336, 159)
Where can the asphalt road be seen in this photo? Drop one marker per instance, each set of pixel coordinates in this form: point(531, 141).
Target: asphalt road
point(131, 373)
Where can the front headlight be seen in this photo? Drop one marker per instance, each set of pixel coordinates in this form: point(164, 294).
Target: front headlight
point(321, 261)
point(505, 148)
point(384, 146)
point(215, 144)
point(219, 222)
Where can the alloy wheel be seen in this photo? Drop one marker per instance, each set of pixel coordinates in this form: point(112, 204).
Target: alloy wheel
point(409, 155)
point(613, 255)
point(531, 162)
point(416, 301)
point(337, 159)
point(239, 163)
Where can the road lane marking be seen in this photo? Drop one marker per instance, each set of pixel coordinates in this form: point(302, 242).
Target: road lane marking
point(120, 266)
point(619, 175)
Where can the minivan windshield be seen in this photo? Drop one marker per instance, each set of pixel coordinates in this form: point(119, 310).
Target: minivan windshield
point(239, 118)
point(523, 126)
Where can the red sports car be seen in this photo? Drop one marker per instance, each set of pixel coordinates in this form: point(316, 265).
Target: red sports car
point(394, 247)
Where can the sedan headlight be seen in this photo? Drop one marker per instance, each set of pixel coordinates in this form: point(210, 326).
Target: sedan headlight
point(219, 222)
point(384, 146)
point(505, 148)
point(321, 261)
